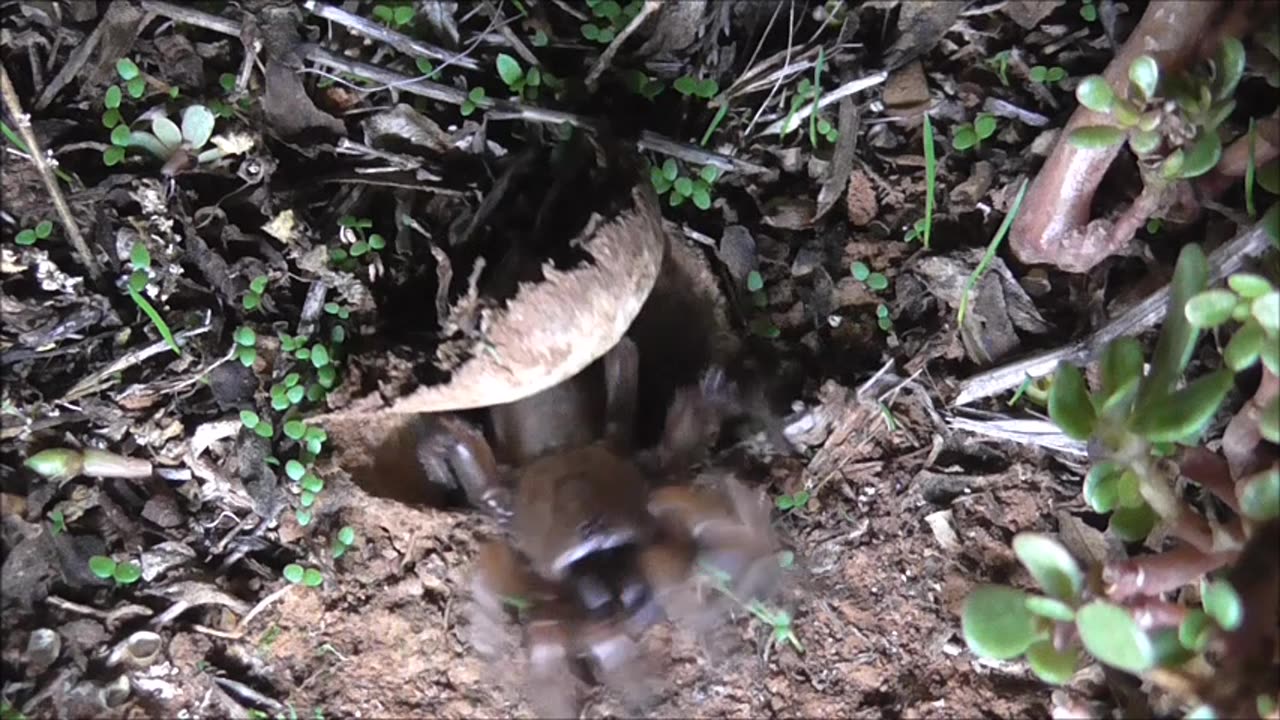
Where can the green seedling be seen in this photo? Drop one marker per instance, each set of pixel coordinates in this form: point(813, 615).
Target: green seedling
point(1000, 64)
point(29, 236)
point(252, 421)
point(57, 522)
point(539, 39)
point(246, 345)
point(883, 318)
point(783, 631)
point(990, 254)
point(760, 324)
point(343, 541)
point(679, 188)
point(125, 573)
point(140, 261)
point(972, 134)
point(1153, 225)
point(690, 86)
point(1088, 11)
point(1170, 122)
point(394, 16)
point(643, 85)
point(609, 17)
point(252, 299)
point(475, 98)
point(523, 83)
point(295, 574)
point(930, 180)
point(356, 244)
point(1047, 75)
point(861, 272)
point(166, 139)
point(796, 501)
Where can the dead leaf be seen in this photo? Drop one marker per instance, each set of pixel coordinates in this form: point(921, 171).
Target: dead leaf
point(860, 201)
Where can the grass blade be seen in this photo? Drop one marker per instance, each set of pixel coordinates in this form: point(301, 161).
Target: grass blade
point(156, 320)
point(930, 177)
point(990, 254)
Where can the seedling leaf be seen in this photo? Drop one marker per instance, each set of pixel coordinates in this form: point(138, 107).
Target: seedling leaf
point(293, 573)
point(509, 69)
point(1144, 73)
point(1210, 308)
point(102, 566)
point(1223, 604)
point(166, 132)
point(1049, 664)
point(1097, 137)
point(1069, 403)
point(1110, 634)
point(1202, 156)
point(1100, 486)
point(1260, 492)
point(312, 577)
point(197, 125)
point(1132, 524)
point(1183, 413)
point(1193, 631)
point(1094, 93)
point(996, 622)
point(1050, 564)
point(1229, 68)
point(127, 573)
point(1050, 608)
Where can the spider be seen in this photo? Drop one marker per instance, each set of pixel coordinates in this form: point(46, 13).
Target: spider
point(600, 542)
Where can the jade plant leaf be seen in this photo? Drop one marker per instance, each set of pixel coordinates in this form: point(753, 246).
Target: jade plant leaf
point(1100, 486)
point(1228, 68)
point(1112, 636)
point(1051, 665)
point(1069, 403)
point(1249, 285)
point(1097, 137)
point(1144, 73)
point(1260, 493)
point(996, 622)
point(1185, 412)
point(1050, 608)
point(1121, 364)
point(1053, 567)
point(1094, 93)
point(1222, 603)
point(166, 132)
point(1266, 310)
point(1132, 524)
point(1244, 347)
point(1210, 308)
point(1202, 155)
point(1194, 630)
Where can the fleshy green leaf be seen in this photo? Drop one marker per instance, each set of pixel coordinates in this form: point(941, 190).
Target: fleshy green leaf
point(1097, 137)
point(1094, 93)
point(1178, 336)
point(1050, 608)
point(347, 535)
point(1132, 524)
point(1049, 664)
point(1053, 567)
point(1069, 403)
point(1144, 142)
point(1144, 73)
point(1229, 68)
point(984, 125)
point(102, 566)
point(1121, 364)
point(127, 69)
point(293, 573)
point(1112, 636)
point(754, 281)
point(1210, 308)
point(1244, 347)
point(197, 125)
point(312, 578)
point(1249, 285)
point(1185, 412)
point(1260, 493)
point(1172, 165)
point(1100, 486)
point(509, 69)
point(127, 573)
point(996, 623)
point(1266, 310)
point(964, 138)
point(1269, 420)
point(139, 256)
point(166, 132)
point(113, 97)
point(1223, 604)
point(1202, 156)
point(1194, 630)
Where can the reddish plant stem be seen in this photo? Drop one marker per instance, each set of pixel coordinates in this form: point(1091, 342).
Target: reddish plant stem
point(1152, 614)
point(1054, 225)
point(1151, 575)
point(1210, 471)
point(1242, 444)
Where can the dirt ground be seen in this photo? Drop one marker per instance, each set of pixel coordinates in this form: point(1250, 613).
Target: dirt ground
point(277, 212)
